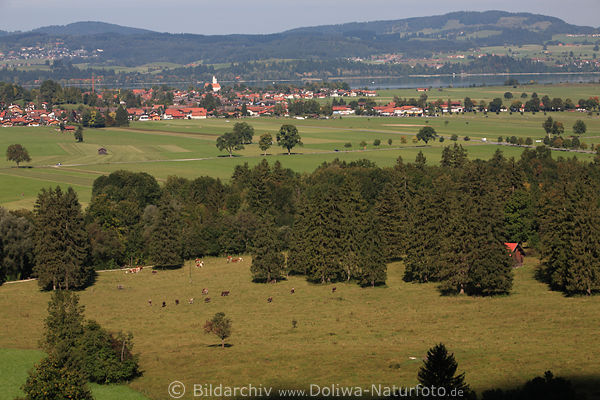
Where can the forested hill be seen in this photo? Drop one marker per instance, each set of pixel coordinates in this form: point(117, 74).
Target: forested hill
point(413, 37)
point(89, 28)
point(465, 22)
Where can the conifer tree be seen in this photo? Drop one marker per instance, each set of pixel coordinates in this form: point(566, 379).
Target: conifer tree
point(439, 370)
point(61, 242)
point(164, 245)
point(268, 262)
point(370, 257)
point(569, 230)
point(259, 194)
point(428, 218)
point(391, 214)
point(420, 160)
point(121, 117)
point(63, 327)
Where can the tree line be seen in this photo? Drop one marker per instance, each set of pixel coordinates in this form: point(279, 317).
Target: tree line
point(343, 222)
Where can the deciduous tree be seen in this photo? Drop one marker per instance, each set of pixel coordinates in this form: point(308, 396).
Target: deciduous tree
point(288, 137)
point(17, 153)
point(220, 326)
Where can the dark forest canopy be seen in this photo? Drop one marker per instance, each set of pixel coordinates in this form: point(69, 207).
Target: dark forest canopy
point(342, 222)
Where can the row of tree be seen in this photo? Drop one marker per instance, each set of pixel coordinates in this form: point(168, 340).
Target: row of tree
point(242, 133)
point(344, 221)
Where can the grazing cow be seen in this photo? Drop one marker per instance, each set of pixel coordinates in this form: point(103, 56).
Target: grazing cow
point(225, 293)
point(333, 289)
point(234, 259)
point(270, 300)
point(164, 304)
point(149, 302)
point(154, 271)
point(133, 270)
point(191, 301)
point(205, 291)
point(293, 291)
point(207, 300)
point(273, 281)
point(176, 302)
point(120, 287)
point(199, 263)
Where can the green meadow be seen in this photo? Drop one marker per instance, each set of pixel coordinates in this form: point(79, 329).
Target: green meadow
point(14, 364)
point(355, 336)
point(187, 147)
point(572, 91)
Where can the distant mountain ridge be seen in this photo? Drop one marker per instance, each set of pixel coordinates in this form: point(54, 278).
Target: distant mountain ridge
point(89, 28)
point(418, 37)
point(456, 21)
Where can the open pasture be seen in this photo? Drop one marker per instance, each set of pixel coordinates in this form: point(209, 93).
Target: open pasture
point(355, 336)
point(488, 93)
point(187, 147)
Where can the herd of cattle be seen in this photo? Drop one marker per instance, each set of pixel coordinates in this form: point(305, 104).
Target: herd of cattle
point(199, 264)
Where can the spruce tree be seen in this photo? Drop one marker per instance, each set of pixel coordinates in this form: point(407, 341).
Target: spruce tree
point(268, 262)
point(164, 245)
point(569, 230)
point(428, 220)
point(61, 242)
point(63, 328)
point(391, 214)
point(439, 370)
point(121, 117)
point(372, 269)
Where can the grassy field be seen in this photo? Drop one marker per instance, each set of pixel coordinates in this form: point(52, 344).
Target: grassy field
point(488, 93)
point(353, 337)
point(187, 147)
point(14, 364)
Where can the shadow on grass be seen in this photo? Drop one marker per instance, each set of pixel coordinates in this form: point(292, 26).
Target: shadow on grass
point(227, 345)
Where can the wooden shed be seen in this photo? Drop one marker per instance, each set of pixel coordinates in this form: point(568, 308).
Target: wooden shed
point(516, 253)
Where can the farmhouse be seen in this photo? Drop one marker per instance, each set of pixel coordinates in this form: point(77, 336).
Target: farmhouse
point(342, 110)
point(516, 253)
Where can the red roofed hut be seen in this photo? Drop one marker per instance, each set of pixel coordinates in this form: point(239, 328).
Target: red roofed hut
point(516, 253)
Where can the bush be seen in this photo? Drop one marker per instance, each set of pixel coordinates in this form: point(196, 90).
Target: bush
point(106, 358)
point(466, 138)
point(454, 137)
point(50, 380)
point(347, 145)
point(376, 142)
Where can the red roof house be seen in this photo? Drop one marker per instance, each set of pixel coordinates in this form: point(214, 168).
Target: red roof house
point(516, 253)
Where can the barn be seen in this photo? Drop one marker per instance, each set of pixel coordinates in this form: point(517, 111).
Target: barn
point(516, 253)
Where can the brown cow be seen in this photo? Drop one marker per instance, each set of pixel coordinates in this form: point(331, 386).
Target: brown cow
point(176, 302)
point(164, 304)
point(270, 300)
point(207, 299)
point(205, 291)
point(293, 291)
point(191, 301)
point(333, 289)
point(225, 293)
